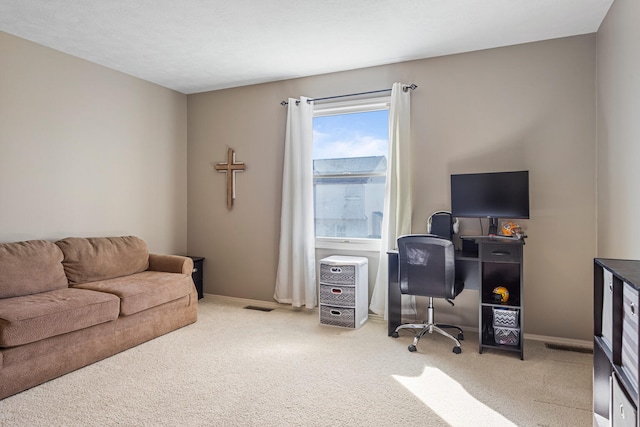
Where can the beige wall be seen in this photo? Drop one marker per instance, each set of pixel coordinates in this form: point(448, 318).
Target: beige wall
point(522, 107)
point(618, 70)
point(88, 151)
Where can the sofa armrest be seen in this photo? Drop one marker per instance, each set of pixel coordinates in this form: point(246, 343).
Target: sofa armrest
point(170, 263)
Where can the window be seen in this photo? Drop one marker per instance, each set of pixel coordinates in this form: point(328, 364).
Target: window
point(350, 145)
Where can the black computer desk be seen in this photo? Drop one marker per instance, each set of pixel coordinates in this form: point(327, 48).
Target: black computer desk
point(467, 270)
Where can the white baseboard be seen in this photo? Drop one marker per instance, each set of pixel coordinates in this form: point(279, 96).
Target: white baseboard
point(559, 340)
point(266, 304)
point(377, 317)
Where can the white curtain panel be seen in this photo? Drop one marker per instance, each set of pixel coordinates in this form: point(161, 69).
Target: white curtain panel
point(296, 278)
point(398, 203)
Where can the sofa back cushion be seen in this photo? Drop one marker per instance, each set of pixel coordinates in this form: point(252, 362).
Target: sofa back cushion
point(100, 258)
point(29, 268)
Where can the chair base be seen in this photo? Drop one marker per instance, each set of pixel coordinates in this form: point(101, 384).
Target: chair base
point(429, 327)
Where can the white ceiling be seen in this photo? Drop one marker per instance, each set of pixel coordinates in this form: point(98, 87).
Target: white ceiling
point(200, 45)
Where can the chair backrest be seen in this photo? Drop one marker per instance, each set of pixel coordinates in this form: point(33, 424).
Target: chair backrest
point(427, 266)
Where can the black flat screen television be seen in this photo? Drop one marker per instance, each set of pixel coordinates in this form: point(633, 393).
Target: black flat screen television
point(490, 195)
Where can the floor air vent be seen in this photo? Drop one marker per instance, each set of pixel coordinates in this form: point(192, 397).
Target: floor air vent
point(255, 307)
point(564, 347)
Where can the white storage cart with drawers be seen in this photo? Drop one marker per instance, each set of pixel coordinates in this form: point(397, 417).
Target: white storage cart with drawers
point(344, 291)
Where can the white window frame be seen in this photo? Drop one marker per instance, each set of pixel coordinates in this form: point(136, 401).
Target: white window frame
point(346, 107)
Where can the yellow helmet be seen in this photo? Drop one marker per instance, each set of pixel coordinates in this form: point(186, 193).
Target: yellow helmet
point(500, 294)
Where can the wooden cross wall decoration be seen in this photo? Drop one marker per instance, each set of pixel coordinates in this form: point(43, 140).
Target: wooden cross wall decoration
point(230, 168)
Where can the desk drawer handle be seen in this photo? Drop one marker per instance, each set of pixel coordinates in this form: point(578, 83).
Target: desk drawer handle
point(336, 291)
point(336, 270)
point(632, 306)
point(335, 313)
point(501, 253)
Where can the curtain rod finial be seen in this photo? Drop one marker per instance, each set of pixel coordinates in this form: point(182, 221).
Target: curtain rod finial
point(406, 88)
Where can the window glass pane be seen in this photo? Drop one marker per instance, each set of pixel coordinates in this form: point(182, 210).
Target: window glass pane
point(350, 163)
point(351, 135)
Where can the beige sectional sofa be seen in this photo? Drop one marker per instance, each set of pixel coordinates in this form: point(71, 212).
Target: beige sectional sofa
point(67, 304)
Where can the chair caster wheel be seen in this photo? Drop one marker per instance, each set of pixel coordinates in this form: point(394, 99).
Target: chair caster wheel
point(412, 348)
point(457, 350)
point(394, 334)
point(460, 336)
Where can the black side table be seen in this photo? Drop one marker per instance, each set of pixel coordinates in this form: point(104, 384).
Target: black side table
point(196, 274)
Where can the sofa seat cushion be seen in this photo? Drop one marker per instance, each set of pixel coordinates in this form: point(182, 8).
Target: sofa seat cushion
point(31, 318)
point(101, 258)
point(30, 267)
point(144, 290)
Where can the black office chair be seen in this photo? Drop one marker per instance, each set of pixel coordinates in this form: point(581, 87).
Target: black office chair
point(427, 268)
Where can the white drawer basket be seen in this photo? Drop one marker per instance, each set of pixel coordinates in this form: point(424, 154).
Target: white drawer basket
point(337, 316)
point(344, 296)
point(507, 318)
point(506, 336)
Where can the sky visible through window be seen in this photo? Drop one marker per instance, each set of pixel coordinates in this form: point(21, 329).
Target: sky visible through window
point(351, 135)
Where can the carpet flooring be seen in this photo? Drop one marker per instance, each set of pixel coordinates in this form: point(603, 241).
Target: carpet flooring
point(241, 367)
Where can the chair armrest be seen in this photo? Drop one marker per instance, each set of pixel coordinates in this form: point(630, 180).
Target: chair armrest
point(170, 263)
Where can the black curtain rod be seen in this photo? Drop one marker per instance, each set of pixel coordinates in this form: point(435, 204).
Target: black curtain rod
point(404, 88)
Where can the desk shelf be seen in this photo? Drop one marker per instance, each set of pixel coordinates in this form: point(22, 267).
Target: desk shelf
point(500, 264)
